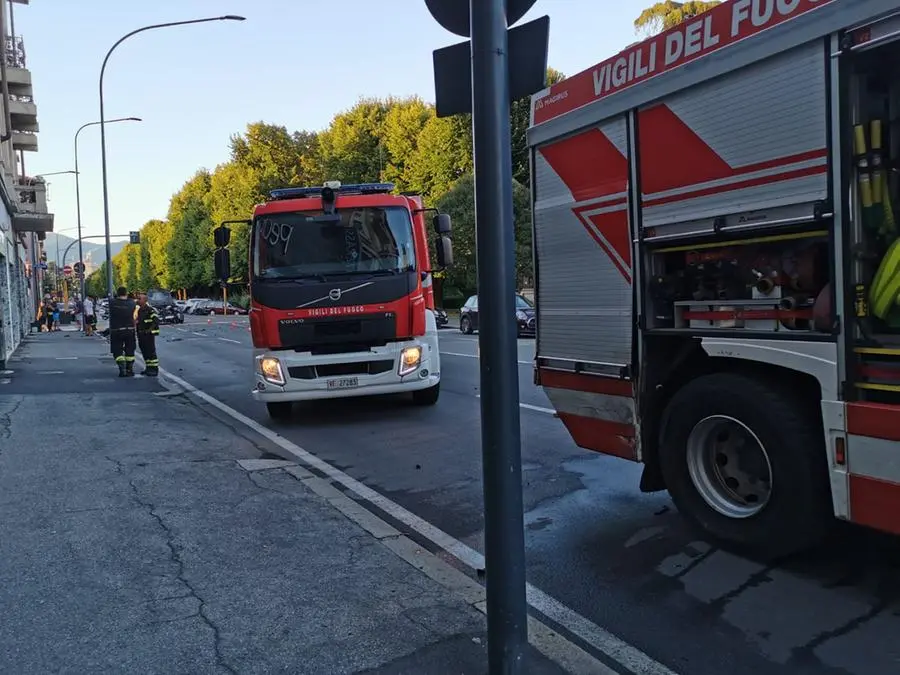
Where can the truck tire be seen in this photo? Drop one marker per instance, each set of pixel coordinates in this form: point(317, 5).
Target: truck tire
point(280, 410)
point(745, 463)
point(428, 396)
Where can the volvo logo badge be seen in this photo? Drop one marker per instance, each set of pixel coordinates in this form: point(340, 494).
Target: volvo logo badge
point(334, 294)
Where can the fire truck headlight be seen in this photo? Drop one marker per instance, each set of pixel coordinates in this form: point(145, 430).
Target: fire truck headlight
point(270, 368)
point(410, 358)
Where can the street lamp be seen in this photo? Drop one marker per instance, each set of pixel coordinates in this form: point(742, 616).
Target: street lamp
point(227, 17)
point(78, 198)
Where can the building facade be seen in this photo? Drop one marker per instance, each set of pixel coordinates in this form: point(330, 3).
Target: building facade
point(24, 217)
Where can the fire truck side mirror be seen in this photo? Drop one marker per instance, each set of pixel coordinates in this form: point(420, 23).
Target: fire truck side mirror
point(442, 224)
point(221, 236)
point(443, 247)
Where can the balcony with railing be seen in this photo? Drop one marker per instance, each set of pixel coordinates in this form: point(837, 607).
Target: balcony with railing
point(31, 198)
point(18, 77)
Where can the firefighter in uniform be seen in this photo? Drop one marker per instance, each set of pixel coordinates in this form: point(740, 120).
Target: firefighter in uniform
point(121, 331)
point(147, 322)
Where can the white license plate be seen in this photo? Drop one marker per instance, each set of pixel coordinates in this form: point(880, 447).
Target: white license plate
point(343, 383)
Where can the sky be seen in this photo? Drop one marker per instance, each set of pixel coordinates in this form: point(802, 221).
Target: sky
point(292, 62)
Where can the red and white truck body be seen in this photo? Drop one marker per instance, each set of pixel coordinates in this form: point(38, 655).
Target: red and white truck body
point(698, 222)
point(341, 295)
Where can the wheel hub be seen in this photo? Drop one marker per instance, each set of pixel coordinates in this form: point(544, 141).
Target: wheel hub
point(729, 466)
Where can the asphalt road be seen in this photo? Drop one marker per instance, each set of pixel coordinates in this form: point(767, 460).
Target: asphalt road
point(622, 559)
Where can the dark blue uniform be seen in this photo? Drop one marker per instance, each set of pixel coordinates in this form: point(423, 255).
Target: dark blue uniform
point(122, 341)
point(147, 330)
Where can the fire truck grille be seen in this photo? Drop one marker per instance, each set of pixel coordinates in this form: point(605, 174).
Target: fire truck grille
point(339, 369)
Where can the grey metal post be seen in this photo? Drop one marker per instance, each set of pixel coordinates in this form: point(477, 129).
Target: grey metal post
point(504, 537)
point(102, 123)
point(78, 217)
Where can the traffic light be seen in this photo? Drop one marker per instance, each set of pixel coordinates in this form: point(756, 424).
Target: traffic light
point(223, 264)
point(78, 267)
point(527, 48)
point(222, 259)
point(134, 237)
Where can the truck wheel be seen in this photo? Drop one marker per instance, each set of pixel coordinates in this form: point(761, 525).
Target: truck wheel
point(280, 410)
point(745, 463)
point(427, 396)
point(465, 326)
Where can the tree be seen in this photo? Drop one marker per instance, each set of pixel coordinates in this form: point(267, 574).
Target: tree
point(130, 267)
point(350, 149)
point(459, 203)
point(442, 156)
point(401, 131)
point(666, 14)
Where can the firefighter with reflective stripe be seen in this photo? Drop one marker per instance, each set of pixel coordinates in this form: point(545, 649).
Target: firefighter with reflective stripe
point(147, 322)
point(121, 331)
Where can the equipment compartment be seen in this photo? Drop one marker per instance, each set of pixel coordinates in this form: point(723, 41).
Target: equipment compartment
point(769, 284)
point(875, 147)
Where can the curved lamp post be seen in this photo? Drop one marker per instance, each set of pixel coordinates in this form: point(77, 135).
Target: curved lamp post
point(78, 192)
point(102, 122)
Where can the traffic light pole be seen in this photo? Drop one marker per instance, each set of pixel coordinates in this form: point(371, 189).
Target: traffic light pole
point(504, 536)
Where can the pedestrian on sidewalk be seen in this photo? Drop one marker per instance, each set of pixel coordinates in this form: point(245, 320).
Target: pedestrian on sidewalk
point(121, 331)
point(89, 319)
point(147, 321)
point(57, 311)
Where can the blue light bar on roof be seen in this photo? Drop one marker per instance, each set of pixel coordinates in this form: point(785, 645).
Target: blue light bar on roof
point(354, 189)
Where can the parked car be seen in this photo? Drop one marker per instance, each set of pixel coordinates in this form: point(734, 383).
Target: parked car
point(526, 321)
point(191, 305)
point(441, 318)
point(211, 307)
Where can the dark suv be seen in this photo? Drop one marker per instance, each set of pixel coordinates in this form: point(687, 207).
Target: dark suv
point(526, 321)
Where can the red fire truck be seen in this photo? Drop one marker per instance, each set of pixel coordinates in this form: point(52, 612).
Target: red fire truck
point(341, 295)
point(718, 266)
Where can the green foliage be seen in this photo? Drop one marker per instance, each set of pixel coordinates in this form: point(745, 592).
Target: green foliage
point(394, 140)
point(459, 202)
point(667, 14)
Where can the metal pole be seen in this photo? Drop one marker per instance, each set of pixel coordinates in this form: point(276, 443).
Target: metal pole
point(78, 218)
point(102, 122)
point(504, 534)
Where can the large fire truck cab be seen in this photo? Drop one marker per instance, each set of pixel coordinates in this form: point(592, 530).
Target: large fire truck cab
point(341, 295)
point(718, 265)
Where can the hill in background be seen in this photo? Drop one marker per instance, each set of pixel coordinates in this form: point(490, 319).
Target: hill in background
point(94, 249)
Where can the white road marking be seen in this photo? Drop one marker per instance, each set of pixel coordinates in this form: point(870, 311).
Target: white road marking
point(183, 330)
point(629, 656)
point(5, 380)
point(51, 372)
point(196, 332)
point(475, 356)
point(237, 342)
point(535, 408)
point(66, 358)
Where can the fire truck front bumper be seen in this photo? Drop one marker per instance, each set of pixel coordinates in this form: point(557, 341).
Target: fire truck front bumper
point(392, 369)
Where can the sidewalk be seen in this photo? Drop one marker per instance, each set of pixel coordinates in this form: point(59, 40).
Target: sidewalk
point(141, 534)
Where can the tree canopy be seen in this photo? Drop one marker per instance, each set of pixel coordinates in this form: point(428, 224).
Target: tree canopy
point(667, 14)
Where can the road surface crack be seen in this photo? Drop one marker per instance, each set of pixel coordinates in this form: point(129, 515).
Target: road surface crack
point(175, 558)
point(6, 420)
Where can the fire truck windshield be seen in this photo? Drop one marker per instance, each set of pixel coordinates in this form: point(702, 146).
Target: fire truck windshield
point(368, 240)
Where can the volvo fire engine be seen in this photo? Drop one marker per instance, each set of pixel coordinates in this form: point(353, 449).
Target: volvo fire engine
point(341, 295)
point(718, 268)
